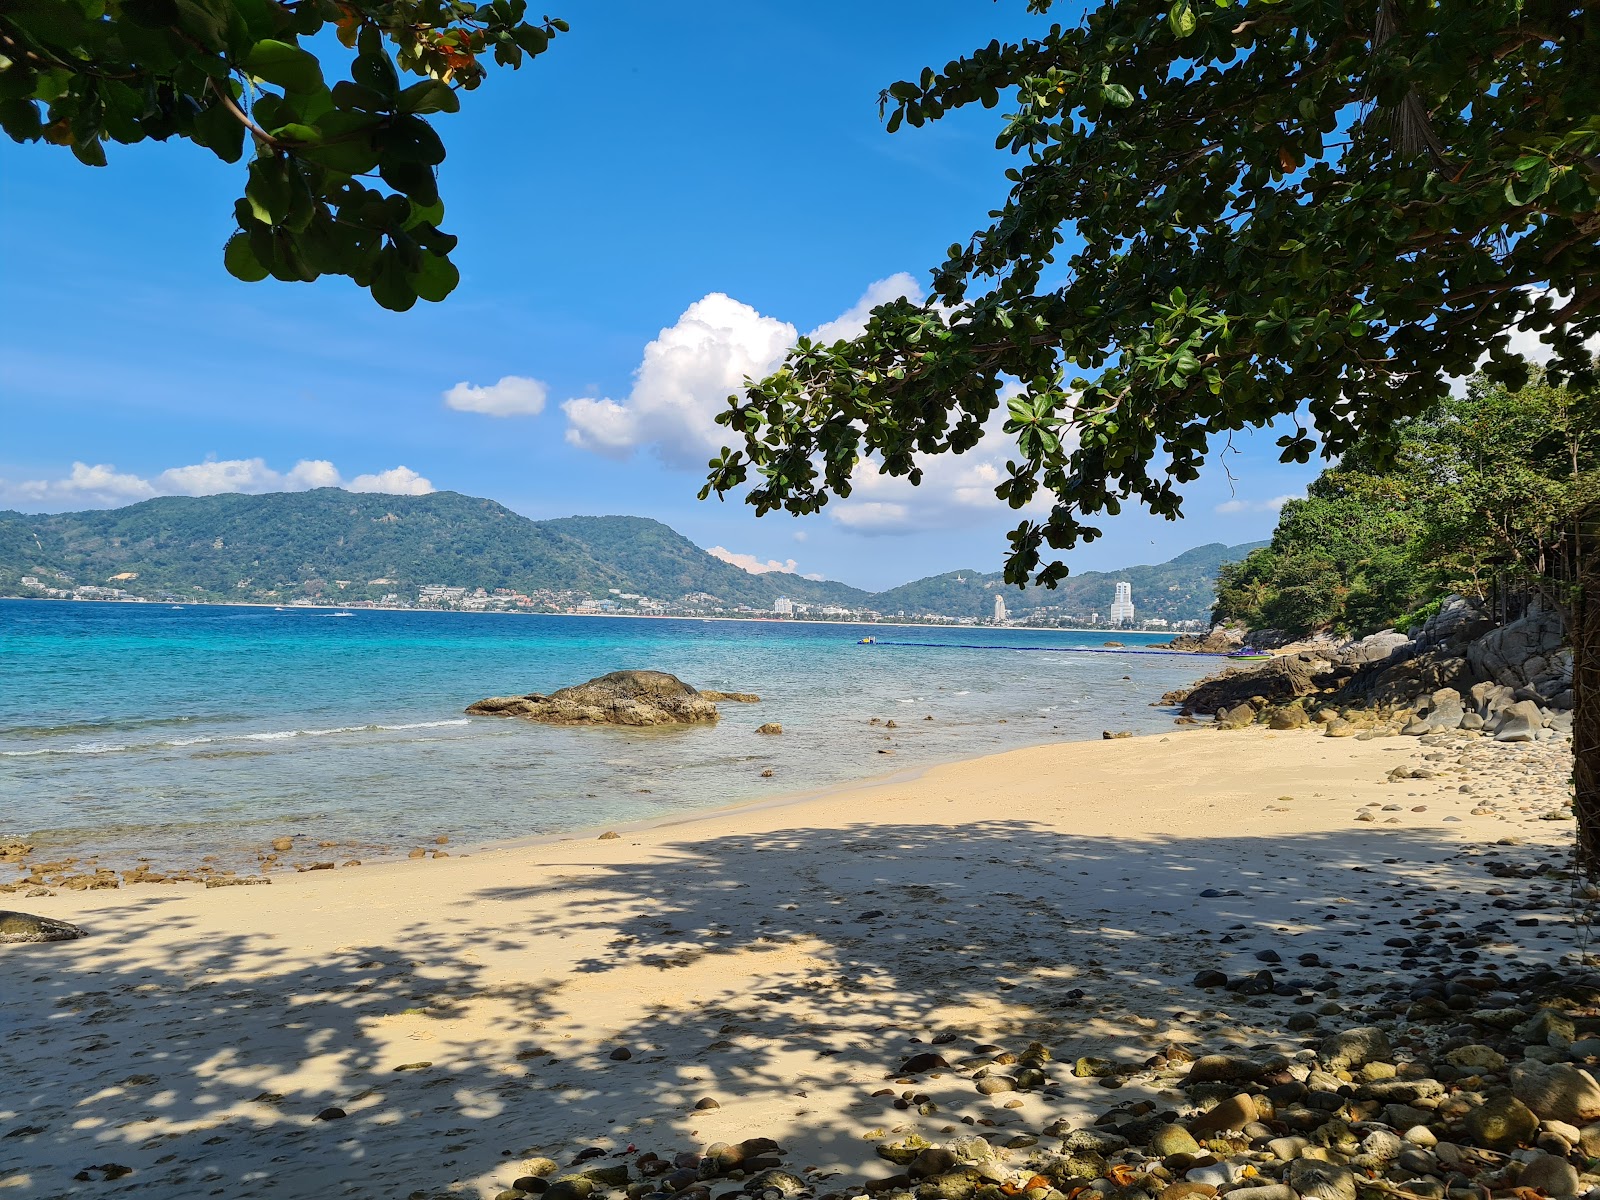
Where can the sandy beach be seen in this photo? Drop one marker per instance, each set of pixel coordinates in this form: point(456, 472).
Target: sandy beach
point(470, 1013)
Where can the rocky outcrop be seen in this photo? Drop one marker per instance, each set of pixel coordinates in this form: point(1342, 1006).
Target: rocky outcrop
point(620, 698)
point(1527, 654)
point(1274, 682)
point(25, 927)
point(732, 697)
point(1220, 640)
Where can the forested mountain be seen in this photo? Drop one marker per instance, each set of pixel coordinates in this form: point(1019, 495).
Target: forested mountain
point(290, 544)
point(1179, 590)
point(334, 544)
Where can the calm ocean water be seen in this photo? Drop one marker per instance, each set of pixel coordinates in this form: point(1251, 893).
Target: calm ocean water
point(129, 729)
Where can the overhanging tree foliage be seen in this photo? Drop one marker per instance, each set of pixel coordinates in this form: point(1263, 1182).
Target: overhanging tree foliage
point(341, 179)
point(1222, 214)
point(1486, 488)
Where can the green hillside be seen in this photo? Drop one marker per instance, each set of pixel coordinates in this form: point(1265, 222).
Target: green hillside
point(293, 544)
point(348, 546)
point(1179, 590)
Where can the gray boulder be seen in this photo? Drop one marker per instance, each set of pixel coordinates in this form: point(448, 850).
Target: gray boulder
point(1557, 1091)
point(1445, 709)
point(25, 927)
point(1321, 1180)
point(1491, 698)
point(620, 698)
point(1458, 620)
point(1551, 1175)
point(1505, 655)
point(1520, 722)
point(1353, 1048)
point(1375, 647)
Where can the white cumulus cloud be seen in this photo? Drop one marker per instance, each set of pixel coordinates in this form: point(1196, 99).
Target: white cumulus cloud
point(749, 562)
point(513, 396)
point(853, 321)
point(99, 486)
point(957, 490)
point(396, 481)
point(103, 486)
point(691, 368)
point(209, 478)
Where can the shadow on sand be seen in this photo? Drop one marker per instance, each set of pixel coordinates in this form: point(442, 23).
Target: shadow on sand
point(785, 974)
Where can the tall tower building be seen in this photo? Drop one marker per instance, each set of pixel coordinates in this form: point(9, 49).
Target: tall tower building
point(1122, 606)
point(1000, 610)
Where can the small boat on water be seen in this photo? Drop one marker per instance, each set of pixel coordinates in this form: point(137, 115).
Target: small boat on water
point(344, 614)
point(1248, 653)
point(867, 642)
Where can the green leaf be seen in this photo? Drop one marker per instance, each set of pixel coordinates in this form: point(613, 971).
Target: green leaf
point(1181, 17)
point(436, 278)
point(269, 189)
point(414, 179)
point(429, 96)
point(291, 68)
point(241, 260)
point(308, 135)
point(221, 132)
point(377, 72)
point(90, 152)
point(411, 140)
point(1117, 95)
point(390, 287)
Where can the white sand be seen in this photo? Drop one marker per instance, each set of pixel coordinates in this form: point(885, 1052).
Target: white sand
point(195, 1034)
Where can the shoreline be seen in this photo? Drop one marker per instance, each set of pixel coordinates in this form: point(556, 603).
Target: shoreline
point(467, 1016)
point(759, 620)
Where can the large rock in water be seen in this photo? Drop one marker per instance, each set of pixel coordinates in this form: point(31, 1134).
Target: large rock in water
point(620, 698)
point(24, 927)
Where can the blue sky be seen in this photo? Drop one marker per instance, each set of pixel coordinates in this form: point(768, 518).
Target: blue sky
point(661, 200)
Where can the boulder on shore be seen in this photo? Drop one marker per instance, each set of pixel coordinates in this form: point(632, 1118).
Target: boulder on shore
point(620, 698)
point(25, 927)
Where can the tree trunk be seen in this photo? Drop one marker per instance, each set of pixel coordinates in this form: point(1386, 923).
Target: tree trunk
point(1584, 628)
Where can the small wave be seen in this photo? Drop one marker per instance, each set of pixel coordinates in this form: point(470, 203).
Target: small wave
point(276, 735)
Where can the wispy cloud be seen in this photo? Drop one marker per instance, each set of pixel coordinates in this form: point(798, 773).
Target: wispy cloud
point(1229, 507)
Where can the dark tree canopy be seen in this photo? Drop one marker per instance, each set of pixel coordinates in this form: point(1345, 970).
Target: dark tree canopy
point(342, 175)
point(1221, 215)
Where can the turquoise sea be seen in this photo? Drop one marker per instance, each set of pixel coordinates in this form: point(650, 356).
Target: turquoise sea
point(144, 730)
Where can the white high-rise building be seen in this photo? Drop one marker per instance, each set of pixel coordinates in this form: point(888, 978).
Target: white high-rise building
point(783, 606)
point(1000, 610)
point(1122, 606)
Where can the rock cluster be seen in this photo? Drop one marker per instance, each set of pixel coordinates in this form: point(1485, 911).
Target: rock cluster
point(1473, 1090)
point(620, 698)
point(1512, 683)
point(1471, 1086)
point(754, 1167)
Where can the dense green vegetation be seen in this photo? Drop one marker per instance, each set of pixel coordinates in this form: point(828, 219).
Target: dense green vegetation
point(1483, 485)
point(342, 546)
point(233, 76)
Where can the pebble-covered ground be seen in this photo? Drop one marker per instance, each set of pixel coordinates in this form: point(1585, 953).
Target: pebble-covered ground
point(1394, 1002)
